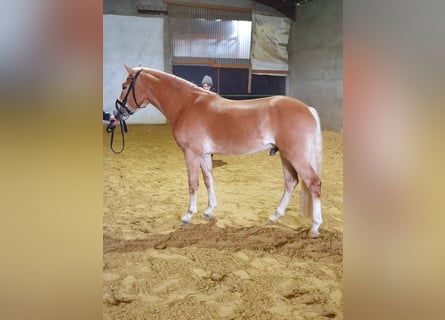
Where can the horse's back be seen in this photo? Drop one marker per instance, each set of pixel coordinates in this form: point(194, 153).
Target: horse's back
point(263, 114)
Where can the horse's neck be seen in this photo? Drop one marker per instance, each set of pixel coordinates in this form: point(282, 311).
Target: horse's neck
point(161, 95)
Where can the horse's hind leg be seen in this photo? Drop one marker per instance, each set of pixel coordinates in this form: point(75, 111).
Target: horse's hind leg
point(290, 182)
point(207, 168)
point(310, 196)
point(192, 162)
point(311, 189)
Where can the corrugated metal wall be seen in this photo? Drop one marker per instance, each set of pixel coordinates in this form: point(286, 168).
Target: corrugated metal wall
point(205, 36)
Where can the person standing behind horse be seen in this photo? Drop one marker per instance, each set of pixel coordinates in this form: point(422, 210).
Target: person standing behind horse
point(207, 83)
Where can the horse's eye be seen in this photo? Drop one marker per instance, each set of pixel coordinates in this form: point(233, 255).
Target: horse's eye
point(124, 87)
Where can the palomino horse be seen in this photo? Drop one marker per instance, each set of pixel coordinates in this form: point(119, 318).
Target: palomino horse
point(203, 123)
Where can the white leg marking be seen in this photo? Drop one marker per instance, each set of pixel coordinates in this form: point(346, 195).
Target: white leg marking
point(192, 208)
point(206, 167)
point(316, 216)
point(281, 208)
point(290, 182)
point(192, 162)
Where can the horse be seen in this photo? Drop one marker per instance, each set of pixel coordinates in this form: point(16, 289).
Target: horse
point(204, 123)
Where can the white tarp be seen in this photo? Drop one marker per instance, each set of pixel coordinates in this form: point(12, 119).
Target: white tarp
point(133, 41)
point(270, 37)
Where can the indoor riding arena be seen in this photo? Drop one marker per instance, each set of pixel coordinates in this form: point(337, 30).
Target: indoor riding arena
point(235, 265)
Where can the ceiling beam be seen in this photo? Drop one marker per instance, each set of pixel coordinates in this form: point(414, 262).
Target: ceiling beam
point(288, 8)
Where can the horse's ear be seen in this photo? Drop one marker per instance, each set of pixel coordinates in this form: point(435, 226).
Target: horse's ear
point(130, 71)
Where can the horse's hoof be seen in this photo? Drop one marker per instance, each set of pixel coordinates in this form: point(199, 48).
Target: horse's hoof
point(186, 219)
point(207, 216)
point(314, 234)
point(274, 218)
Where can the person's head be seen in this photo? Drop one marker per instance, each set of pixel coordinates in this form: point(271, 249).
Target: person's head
point(207, 83)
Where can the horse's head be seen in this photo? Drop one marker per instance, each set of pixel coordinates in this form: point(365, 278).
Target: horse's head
point(128, 102)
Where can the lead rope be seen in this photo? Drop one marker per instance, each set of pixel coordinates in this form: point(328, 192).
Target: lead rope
point(110, 129)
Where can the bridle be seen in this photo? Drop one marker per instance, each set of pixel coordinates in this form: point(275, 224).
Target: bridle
point(122, 113)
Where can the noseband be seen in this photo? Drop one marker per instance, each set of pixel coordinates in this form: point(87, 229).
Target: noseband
point(122, 112)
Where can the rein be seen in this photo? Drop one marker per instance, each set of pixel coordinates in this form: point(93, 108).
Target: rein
point(110, 129)
point(122, 113)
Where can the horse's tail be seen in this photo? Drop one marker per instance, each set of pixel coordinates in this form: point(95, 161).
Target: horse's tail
point(315, 154)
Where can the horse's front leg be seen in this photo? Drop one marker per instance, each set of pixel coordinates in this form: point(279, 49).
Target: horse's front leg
point(207, 173)
point(192, 162)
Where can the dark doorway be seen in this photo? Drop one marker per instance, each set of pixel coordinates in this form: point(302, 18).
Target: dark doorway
point(232, 83)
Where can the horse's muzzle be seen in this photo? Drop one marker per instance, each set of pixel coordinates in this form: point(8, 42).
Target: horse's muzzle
point(122, 112)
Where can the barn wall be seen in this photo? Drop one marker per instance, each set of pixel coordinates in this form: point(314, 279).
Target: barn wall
point(316, 60)
point(131, 40)
point(315, 53)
